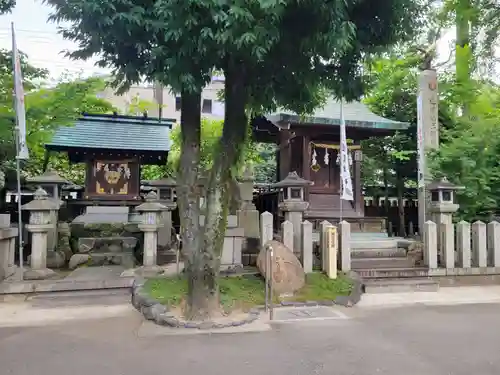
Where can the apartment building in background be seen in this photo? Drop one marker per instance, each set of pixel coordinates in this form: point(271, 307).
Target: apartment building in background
point(138, 97)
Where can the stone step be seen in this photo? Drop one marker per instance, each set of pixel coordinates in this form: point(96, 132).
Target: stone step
point(392, 252)
point(381, 262)
point(368, 235)
point(400, 285)
point(384, 273)
point(374, 244)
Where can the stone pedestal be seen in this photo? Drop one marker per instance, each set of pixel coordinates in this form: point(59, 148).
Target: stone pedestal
point(294, 213)
point(150, 244)
point(38, 264)
point(151, 211)
point(442, 212)
point(8, 237)
point(248, 215)
point(39, 226)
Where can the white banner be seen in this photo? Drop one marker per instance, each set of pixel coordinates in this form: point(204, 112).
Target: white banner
point(345, 173)
point(23, 152)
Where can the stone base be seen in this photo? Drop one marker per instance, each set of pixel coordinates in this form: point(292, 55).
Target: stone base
point(167, 270)
point(126, 260)
point(39, 274)
point(149, 271)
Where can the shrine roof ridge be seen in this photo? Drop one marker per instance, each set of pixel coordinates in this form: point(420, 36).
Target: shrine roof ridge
point(356, 114)
point(127, 119)
point(114, 132)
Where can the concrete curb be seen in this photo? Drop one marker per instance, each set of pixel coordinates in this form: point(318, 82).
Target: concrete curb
point(45, 286)
point(153, 310)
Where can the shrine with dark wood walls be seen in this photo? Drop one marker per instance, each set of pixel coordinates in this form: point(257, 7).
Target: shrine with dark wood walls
point(310, 146)
point(113, 149)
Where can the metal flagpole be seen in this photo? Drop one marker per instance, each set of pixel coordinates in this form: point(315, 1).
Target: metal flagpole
point(341, 158)
point(21, 150)
point(19, 206)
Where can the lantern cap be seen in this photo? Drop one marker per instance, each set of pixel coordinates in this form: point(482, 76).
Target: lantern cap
point(41, 202)
point(151, 203)
point(49, 177)
point(247, 174)
point(166, 181)
point(443, 184)
point(292, 180)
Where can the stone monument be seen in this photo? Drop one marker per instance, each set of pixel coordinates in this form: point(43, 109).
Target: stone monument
point(427, 135)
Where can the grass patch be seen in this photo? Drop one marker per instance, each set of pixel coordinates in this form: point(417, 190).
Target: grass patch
point(244, 292)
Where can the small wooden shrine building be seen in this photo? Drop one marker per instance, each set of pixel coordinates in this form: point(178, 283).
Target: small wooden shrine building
point(310, 146)
point(114, 148)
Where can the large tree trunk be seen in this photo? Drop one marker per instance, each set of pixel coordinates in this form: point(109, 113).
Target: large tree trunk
point(400, 185)
point(203, 271)
point(189, 197)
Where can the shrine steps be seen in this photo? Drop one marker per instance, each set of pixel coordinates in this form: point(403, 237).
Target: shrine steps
point(385, 267)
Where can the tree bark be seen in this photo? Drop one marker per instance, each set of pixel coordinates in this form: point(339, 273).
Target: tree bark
point(188, 197)
point(204, 260)
point(385, 174)
point(401, 209)
point(221, 182)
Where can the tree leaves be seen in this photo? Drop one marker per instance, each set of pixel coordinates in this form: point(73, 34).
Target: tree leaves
point(6, 6)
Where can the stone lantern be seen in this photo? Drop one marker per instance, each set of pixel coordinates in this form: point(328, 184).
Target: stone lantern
point(39, 225)
point(52, 183)
point(292, 203)
point(442, 205)
point(165, 190)
point(151, 211)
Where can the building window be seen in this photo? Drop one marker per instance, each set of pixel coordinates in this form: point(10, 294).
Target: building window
point(206, 106)
point(177, 103)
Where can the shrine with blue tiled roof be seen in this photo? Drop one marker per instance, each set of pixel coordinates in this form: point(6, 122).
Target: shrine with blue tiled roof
point(114, 148)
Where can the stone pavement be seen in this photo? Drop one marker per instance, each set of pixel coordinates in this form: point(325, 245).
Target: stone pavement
point(412, 340)
point(444, 296)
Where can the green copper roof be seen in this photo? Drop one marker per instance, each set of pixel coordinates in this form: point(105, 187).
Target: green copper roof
point(356, 114)
point(115, 133)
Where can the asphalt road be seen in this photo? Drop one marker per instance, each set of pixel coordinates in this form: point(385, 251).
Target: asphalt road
point(418, 340)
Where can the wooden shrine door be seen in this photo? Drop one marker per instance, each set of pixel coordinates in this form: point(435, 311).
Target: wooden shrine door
point(326, 177)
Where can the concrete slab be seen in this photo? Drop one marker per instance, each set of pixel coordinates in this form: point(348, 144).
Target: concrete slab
point(297, 314)
point(25, 315)
point(96, 273)
point(444, 296)
point(149, 329)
